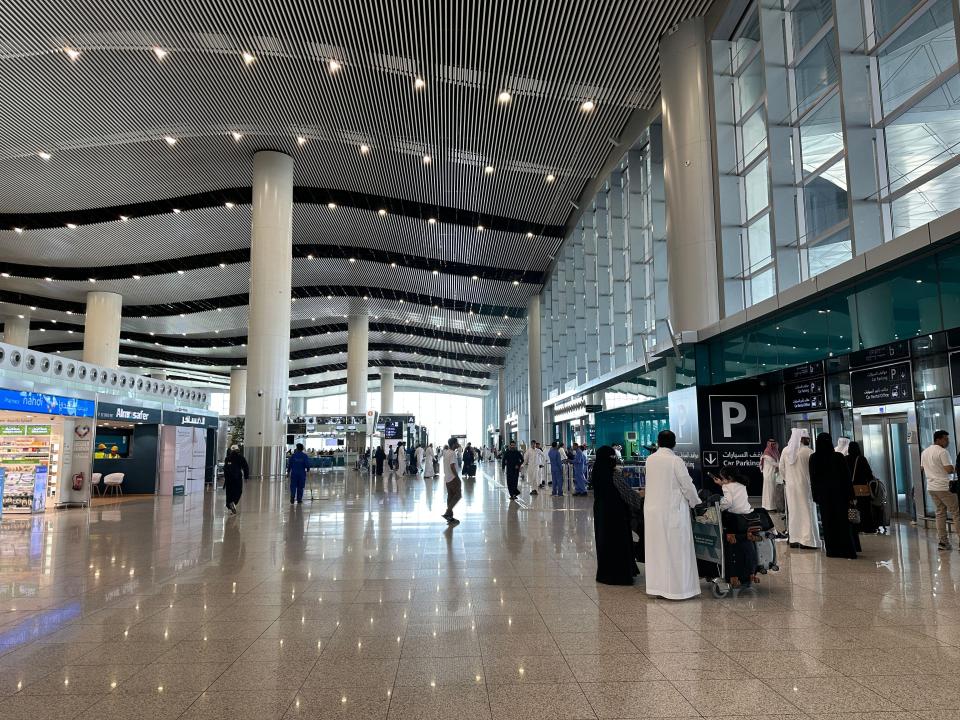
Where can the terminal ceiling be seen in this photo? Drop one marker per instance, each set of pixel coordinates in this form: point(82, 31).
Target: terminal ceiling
point(439, 151)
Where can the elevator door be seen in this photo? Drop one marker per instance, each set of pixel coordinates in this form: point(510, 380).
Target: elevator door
point(886, 447)
point(814, 426)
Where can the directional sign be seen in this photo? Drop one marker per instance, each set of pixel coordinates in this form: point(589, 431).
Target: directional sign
point(711, 458)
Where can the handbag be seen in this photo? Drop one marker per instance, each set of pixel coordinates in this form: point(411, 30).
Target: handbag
point(853, 515)
point(859, 490)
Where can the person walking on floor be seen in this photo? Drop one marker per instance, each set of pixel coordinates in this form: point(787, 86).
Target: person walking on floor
point(669, 557)
point(861, 475)
point(297, 465)
point(379, 456)
point(235, 471)
point(541, 467)
point(579, 470)
point(512, 460)
point(937, 468)
point(802, 527)
point(451, 479)
point(419, 457)
point(614, 502)
point(833, 492)
point(530, 466)
point(556, 469)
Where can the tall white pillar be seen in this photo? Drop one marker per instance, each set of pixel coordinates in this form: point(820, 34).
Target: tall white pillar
point(101, 330)
point(688, 178)
point(535, 383)
point(297, 406)
point(268, 344)
point(387, 381)
point(238, 391)
point(358, 342)
point(16, 330)
point(502, 405)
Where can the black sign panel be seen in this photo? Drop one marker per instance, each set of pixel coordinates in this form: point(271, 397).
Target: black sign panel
point(190, 419)
point(393, 430)
point(877, 386)
point(884, 354)
point(953, 338)
point(955, 372)
point(734, 419)
point(127, 413)
point(296, 428)
point(398, 419)
point(804, 396)
point(592, 408)
point(803, 372)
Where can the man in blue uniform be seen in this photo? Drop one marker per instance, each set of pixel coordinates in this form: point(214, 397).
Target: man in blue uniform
point(297, 465)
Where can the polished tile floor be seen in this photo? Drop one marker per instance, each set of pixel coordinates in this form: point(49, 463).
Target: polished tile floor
point(361, 604)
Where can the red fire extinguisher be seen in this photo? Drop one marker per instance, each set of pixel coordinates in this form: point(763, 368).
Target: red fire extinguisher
point(78, 481)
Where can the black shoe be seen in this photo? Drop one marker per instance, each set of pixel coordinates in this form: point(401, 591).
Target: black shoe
point(451, 521)
point(299, 502)
point(534, 492)
point(447, 515)
point(292, 501)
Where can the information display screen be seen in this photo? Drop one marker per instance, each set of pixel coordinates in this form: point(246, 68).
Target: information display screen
point(887, 384)
point(804, 396)
point(393, 430)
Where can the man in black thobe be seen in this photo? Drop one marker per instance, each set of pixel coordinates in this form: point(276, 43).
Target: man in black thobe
point(512, 460)
point(235, 471)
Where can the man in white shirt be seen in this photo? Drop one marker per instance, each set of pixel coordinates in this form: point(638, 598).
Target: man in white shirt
point(563, 466)
point(937, 467)
point(451, 478)
point(530, 466)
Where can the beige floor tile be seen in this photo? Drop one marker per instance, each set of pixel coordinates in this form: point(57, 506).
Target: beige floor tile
point(628, 667)
point(665, 641)
point(714, 698)
point(538, 669)
point(210, 650)
point(283, 649)
point(539, 702)
point(831, 694)
point(931, 692)
point(426, 672)
point(450, 702)
point(637, 700)
point(596, 643)
point(173, 678)
point(266, 675)
point(240, 705)
point(82, 680)
point(155, 706)
point(782, 664)
point(710, 664)
point(341, 704)
point(453, 644)
point(333, 672)
point(45, 707)
point(518, 644)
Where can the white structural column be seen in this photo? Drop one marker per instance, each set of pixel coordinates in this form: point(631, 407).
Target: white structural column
point(601, 221)
point(16, 330)
point(535, 381)
point(619, 271)
point(387, 383)
point(268, 346)
point(591, 299)
point(101, 329)
point(238, 391)
point(688, 178)
point(358, 343)
point(502, 404)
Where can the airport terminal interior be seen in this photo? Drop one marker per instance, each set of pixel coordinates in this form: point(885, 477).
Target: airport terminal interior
point(509, 360)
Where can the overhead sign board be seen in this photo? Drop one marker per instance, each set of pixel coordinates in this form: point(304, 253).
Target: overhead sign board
point(128, 413)
point(804, 396)
point(886, 384)
point(883, 354)
point(734, 419)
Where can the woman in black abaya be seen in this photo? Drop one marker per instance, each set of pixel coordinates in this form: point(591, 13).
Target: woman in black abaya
point(613, 503)
point(861, 474)
point(833, 492)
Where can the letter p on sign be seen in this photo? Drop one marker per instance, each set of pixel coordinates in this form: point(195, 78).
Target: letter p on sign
point(733, 413)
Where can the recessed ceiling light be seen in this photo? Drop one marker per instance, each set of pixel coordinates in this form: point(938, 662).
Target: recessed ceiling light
point(176, 211)
point(333, 66)
point(393, 264)
point(476, 277)
point(419, 83)
point(432, 221)
point(529, 234)
point(71, 53)
point(171, 141)
point(223, 265)
point(588, 106)
point(332, 206)
point(72, 226)
point(353, 259)
point(480, 228)
point(427, 159)
point(504, 97)
point(364, 149)
point(160, 53)
point(516, 282)
point(136, 277)
point(179, 272)
point(143, 317)
point(93, 280)
point(436, 272)
point(6, 274)
point(48, 279)
point(248, 58)
point(18, 229)
point(382, 211)
point(237, 136)
point(310, 257)
point(43, 154)
point(551, 177)
point(488, 169)
point(228, 204)
point(124, 218)
point(301, 140)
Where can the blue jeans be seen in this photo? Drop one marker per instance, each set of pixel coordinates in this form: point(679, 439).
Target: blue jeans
point(296, 487)
point(556, 475)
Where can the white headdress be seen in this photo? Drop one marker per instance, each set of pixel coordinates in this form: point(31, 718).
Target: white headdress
point(843, 445)
point(790, 453)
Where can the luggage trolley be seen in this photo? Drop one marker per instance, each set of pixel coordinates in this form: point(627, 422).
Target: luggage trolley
point(710, 546)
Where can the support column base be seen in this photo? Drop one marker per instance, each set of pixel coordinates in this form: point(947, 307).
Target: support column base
point(266, 462)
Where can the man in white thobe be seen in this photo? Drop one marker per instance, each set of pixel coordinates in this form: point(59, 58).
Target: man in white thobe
point(530, 469)
point(419, 455)
point(670, 561)
point(802, 525)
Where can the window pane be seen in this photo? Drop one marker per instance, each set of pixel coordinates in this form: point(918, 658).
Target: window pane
point(821, 135)
point(925, 136)
point(829, 252)
point(754, 132)
point(750, 85)
point(825, 201)
point(816, 72)
point(928, 202)
point(762, 286)
point(807, 17)
point(916, 56)
point(758, 245)
point(749, 38)
point(887, 13)
point(755, 184)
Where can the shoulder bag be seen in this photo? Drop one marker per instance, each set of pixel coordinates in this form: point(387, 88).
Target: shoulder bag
point(859, 490)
